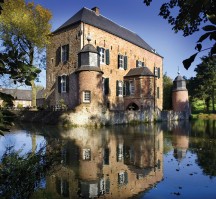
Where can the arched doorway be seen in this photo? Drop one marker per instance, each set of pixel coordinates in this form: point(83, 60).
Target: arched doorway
point(133, 106)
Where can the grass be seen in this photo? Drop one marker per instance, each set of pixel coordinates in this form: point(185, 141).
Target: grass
point(199, 110)
point(199, 106)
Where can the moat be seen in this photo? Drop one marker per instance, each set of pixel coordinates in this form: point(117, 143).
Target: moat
point(149, 161)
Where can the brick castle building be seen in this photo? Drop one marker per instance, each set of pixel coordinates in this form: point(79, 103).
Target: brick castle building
point(93, 62)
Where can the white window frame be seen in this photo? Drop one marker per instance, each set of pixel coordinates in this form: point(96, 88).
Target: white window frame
point(63, 83)
point(102, 55)
point(86, 96)
point(139, 64)
point(121, 177)
point(86, 154)
point(120, 88)
point(132, 87)
point(64, 52)
point(121, 62)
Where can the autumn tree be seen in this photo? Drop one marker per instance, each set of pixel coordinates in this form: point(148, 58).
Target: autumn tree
point(24, 28)
point(188, 16)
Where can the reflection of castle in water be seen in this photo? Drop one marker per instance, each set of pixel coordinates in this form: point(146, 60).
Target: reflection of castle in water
point(180, 140)
point(106, 164)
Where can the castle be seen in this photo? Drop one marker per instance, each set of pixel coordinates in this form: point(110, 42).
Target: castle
point(93, 62)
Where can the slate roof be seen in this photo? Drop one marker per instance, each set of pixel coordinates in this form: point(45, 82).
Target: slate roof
point(141, 71)
point(179, 78)
point(18, 94)
point(89, 48)
point(41, 94)
point(89, 17)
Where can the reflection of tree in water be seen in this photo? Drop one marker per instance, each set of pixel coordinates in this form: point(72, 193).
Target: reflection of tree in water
point(204, 134)
point(204, 128)
point(206, 156)
point(21, 175)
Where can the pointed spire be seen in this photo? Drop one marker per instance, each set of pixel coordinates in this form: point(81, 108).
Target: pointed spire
point(178, 71)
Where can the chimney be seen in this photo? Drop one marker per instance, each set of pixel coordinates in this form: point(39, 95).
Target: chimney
point(96, 10)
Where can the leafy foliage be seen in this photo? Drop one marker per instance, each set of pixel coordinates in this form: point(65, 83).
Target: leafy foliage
point(24, 33)
point(167, 92)
point(187, 16)
point(204, 84)
point(20, 175)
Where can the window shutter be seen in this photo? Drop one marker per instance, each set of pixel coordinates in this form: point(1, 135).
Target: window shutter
point(158, 73)
point(125, 62)
point(58, 56)
point(59, 84)
point(67, 83)
point(124, 88)
point(67, 51)
point(158, 92)
point(137, 63)
point(106, 86)
point(107, 57)
point(107, 185)
point(143, 64)
point(125, 178)
point(118, 61)
point(127, 88)
point(117, 88)
point(98, 49)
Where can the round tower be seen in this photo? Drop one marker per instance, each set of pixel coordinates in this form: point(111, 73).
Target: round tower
point(180, 94)
point(90, 91)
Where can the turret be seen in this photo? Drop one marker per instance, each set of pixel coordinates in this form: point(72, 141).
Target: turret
point(89, 77)
point(180, 94)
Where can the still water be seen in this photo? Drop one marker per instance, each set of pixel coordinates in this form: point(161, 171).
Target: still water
point(152, 161)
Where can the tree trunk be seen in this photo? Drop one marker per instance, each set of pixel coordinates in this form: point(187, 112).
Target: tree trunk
point(31, 58)
point(207, 102)
point(213, 99)
point(33, 93)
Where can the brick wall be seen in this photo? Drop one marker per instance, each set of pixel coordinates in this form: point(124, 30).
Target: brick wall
point(180, 100)
point(117, 46)
point(76, 38)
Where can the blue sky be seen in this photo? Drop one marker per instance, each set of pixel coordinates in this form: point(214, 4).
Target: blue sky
point(135, 16)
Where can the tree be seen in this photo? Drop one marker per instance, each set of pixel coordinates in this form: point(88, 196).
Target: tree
point(167, 92)
point(12, 65)
point(25, 27)
point(24, 30)
point(203, 85)
point(188, 16)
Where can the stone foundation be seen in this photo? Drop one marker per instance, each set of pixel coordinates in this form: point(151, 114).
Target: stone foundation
point(87, 117)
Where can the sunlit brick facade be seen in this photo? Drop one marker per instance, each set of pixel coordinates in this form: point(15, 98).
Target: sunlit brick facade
point(120, 51)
